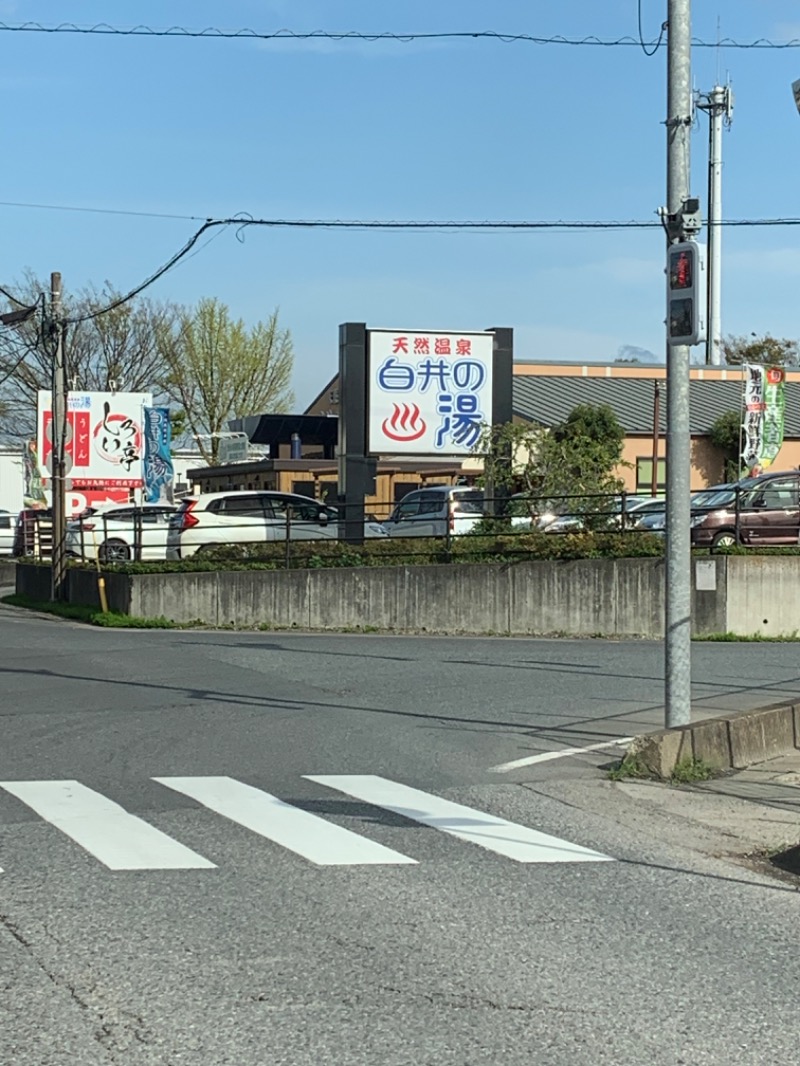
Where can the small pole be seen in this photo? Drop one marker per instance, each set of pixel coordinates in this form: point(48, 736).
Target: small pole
point(59, 433)
point(101, 581)
point(656, 437)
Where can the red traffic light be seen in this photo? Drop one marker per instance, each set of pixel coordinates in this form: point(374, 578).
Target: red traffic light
point(681, 269)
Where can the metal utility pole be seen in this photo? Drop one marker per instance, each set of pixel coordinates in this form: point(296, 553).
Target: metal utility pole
point(678, 671)
point(59, 433)
point(719, 106)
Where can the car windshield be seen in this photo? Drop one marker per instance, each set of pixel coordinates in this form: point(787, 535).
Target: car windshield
point(713, 497)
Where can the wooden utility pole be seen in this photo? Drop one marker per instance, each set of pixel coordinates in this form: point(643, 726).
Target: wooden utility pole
point(59, 441)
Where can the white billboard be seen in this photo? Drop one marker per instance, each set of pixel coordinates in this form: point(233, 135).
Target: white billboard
point(105, 442)
point(429, 393)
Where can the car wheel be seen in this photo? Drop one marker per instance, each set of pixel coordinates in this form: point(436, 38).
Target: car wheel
point(724, 539)
point(114, 551)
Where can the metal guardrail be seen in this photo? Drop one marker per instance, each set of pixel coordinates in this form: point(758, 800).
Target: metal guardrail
point(110, 541)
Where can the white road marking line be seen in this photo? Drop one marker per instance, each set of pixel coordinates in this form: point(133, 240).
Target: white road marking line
point(506, 838)
point(316, 839)
point(120, 840)
point(547, 756)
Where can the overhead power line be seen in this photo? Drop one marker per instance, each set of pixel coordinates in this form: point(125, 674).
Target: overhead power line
point(213, 32)
point(243, 223)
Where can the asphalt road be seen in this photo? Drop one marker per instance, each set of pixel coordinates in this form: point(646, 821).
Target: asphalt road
point(261, 849)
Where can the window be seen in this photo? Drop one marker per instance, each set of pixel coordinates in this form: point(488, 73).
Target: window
point(431, 502)
point(306, 512)
point(780, 495)
point(409, 508)
point(5, 521)
point(644, 475)
point(250, 506)
point(468, 502)
point(304, 488)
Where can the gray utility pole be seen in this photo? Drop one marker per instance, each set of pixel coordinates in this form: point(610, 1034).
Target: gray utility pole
point(678, 667)
point(59, 434)
point(719, 105)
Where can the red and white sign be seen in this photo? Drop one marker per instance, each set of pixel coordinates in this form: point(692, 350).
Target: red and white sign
point(429, 393)
point(104, 444)
point(78, 501)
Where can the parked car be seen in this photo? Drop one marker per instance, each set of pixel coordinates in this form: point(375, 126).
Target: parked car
point(217, 519)
point(532, 512)
point(700, 503)
point(116, 533)
point(6, 533)
point(768, 514)
point(436, 511)
point(607, 515)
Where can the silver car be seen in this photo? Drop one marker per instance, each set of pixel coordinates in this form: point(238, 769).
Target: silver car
point(437, 511)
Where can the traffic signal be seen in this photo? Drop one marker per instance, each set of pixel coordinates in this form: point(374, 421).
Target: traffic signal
point(686, 293)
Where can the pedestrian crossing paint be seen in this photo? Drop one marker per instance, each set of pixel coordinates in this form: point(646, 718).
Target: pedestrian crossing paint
point(505, 838)
point(120, 840)
point(316, 839)
point(123, 841)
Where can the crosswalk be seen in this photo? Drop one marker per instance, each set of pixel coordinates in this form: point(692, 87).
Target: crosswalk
point(120, 840)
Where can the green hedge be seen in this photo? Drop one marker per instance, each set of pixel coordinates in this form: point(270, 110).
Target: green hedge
point(421, 551)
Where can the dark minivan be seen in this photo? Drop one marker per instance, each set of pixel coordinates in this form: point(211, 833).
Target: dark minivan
point(768, 513)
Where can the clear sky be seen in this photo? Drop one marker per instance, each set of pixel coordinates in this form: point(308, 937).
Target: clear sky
point(470, 129)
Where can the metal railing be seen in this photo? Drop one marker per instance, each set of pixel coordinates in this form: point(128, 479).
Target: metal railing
point(458, 527)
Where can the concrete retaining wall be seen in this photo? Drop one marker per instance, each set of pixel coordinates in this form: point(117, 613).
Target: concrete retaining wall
point(602, 597)
point(744, 595)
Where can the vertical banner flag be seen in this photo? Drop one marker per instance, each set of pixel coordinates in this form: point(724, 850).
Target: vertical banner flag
point(763, 416)
point(159, 474)
point(33, 491)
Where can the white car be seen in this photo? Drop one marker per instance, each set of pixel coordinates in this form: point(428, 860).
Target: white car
point(117, 533)
point(7, 523)
point(217, 519)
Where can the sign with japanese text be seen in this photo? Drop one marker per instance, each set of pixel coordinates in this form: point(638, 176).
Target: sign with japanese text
point(159, 474)
point(429, 393)
point(763, 416)
point(105, 439)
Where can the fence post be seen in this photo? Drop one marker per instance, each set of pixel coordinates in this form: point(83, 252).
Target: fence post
point(288, 560)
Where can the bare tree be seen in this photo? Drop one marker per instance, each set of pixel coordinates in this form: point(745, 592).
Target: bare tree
point(121, 349)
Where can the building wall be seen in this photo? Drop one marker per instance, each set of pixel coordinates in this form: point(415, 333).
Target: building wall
point(12, 482)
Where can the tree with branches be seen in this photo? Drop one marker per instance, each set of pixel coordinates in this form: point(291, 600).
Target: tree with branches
point(216, 369)
point(766, 350)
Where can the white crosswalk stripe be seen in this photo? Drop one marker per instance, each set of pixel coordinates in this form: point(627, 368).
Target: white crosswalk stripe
point(123, 841)
point(506, 838)
point(120, 840)
point(316, 839)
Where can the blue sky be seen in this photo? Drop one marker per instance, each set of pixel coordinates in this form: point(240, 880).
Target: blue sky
point(456, 130)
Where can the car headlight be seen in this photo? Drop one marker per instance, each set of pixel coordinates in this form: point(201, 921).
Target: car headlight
point(697, 520)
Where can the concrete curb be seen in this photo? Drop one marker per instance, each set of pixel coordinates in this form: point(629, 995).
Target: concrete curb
point(730, 742)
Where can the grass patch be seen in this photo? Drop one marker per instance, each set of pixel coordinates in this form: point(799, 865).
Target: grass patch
point(752, 638)
point(689, 770)
point(90, 615)
point(628, 768)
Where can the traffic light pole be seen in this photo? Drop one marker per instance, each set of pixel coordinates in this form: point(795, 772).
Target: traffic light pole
point(678, 671)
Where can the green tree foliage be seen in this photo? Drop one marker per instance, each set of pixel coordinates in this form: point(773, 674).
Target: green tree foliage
point(767, 350)
point(577, 458)
point(725, 434)
point(216, 369)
